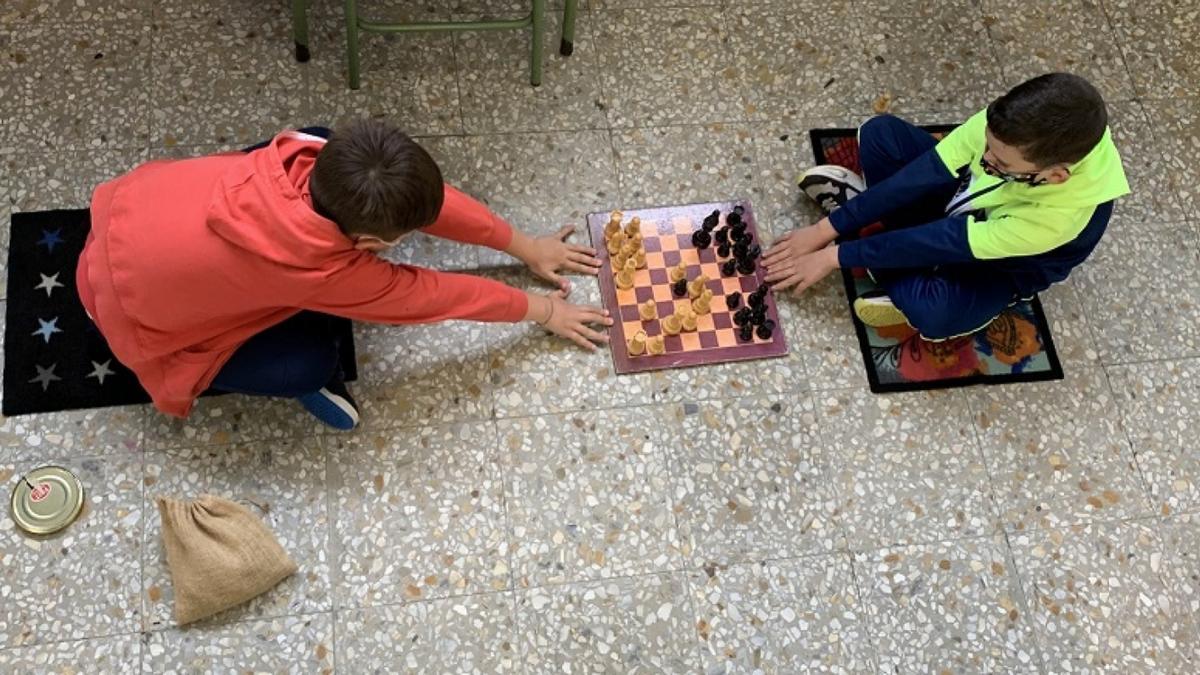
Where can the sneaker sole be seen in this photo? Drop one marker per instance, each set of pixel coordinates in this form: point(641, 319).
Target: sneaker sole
point(878, 315)
point(831, 172)
point(324, 401)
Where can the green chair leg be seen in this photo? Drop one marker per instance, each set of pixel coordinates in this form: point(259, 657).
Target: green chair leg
point(570, 7)
point(539, 38)
point(300, 29)
point(352, 42)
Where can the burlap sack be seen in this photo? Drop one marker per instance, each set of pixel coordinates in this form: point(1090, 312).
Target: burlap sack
point(219, 554)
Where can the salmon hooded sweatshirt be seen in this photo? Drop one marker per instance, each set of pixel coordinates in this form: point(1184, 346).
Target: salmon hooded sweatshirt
point(187, 259)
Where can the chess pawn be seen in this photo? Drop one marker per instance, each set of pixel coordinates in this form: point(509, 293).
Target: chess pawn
point(625, 279)
point(618, 262)
point(703, 303)
point(639, 259)
point(636, 238)
point(629, 248)
point(616, 217)
point(648, 310)
point(697, 286)
point(656, 345)
point(615, 244)
point(677, 272)
point(637, 344)
point(630, 266)
point(634, 228)
point(672, 325)
point(688, 321)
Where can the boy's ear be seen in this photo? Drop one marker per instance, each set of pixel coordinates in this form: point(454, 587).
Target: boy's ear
point(1058, 174)
point(369, 243)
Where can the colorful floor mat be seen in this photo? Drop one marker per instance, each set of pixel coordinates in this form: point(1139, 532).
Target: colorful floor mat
point(1016, 347)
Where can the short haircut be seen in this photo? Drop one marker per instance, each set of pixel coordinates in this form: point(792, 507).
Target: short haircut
point(373, 179)
point(1053, 119)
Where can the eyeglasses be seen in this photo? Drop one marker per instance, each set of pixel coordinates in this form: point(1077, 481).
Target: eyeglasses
point(1030, 178)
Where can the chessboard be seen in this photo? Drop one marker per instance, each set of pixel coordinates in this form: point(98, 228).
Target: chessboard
point(685, 286)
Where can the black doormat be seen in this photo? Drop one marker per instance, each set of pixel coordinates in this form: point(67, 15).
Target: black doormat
point(54, 358)
point(1016, 347)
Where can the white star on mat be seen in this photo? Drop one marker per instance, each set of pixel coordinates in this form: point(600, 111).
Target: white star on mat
point(48, 284)
point(101, 370)
point(47, 328)
point(45, 376)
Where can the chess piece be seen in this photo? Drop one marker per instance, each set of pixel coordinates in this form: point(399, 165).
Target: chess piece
point(746, 266)
point(746, 332)
point(678, 272)
point(729, 268)
point(637, 344)
point(639, 259)
point(763, 332)
point(613, 227)
point(648, 310)
point(615, 244)
point(634, 228)
point(739, 210)
point(733, 300)
point(618, 262)
point(672, 324)
point(734, 218)
point(703, 303)
point(723, 250)
point(742, 317)
point(635, 237)
point(711, 220)
point(721, 236)
point(697, 286)
point(688, 321)
point(625, 279)
point(701, 239)
point(656, 345)
point(679, 288)
point(629, 248)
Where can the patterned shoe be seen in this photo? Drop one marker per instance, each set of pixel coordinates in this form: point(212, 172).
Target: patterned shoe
point(830, 186)
point(878, 311)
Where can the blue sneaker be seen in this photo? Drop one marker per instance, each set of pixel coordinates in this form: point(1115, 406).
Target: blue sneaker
point(333, 405)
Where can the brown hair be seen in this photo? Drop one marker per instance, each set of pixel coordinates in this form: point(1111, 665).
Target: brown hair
point(1054, 118)
point(373, 179)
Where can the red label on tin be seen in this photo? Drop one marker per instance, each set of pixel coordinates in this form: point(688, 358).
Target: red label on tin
point(40, 492)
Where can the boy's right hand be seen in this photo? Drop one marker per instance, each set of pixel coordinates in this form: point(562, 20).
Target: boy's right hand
point(798, 243)
point(564, 319)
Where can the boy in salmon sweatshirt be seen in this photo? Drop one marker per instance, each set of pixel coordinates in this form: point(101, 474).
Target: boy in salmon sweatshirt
point(225, 271)
point(1001, 208)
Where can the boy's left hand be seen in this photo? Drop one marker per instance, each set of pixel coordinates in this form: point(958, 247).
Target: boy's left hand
point(803, 271)
point(548, 255)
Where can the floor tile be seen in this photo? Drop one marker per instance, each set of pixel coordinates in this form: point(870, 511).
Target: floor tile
point(752, 482)
point(424, 250)
point(948, 607)
point(418, 514)
point(1125, 300)
point(781, 616)
point(84, 581)
point(72, 11)
point(952, 63)
point(1057, 453)
point(1153, 203)
point(660, 67)
point(638, 624)
point(1098, 602)
point(473, 634)
point(1160, 41)
point(788, 66)
point(220, 80)
point(229, 419)
point(1071, 36)
point(907, 467)
point(81, 90)
point(1070, 328)
point(537, 182)
point(821, 330)
point(1181, 571)
point(494, 80)
point(411, 80)
point(426, 374)
point(102, 656)
point(1158, 403)
point(75, 433)
point(292, 644)
point(588, 494)
point(281, 482)
point(1176, 127)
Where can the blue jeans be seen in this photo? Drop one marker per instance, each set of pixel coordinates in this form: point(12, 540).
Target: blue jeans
point(290, 359)
point(943, 301)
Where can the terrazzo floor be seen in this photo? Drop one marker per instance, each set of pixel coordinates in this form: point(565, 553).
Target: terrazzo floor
point(512, 506)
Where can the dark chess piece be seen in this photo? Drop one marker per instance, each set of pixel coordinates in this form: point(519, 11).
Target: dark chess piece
point(722, 235)
point(758, 297)
point(733, 300)
point(723, 250)
point(679, 288)
point(711, 220)
point(746, 266)
point(746, 332)
point(734, 218)
point(744, 238)
point(701, 239)
point(754, 252)
point(741, 251)
point(729, 268)
point(763, 332)
point(768, 324)
point(758, 315)
point(739, 210)
point(742, 316)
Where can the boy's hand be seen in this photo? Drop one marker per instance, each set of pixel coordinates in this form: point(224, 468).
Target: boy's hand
point(803, 271)
point(799, 242)
point(548, 255)
point(571, 321)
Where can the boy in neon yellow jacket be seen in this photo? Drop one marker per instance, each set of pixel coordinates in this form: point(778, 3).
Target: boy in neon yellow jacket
point(998, 210)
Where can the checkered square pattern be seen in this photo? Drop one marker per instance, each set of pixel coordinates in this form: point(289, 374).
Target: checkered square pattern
point(671, 242)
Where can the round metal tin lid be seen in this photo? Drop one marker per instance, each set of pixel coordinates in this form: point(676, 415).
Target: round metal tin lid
point(47, 500)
